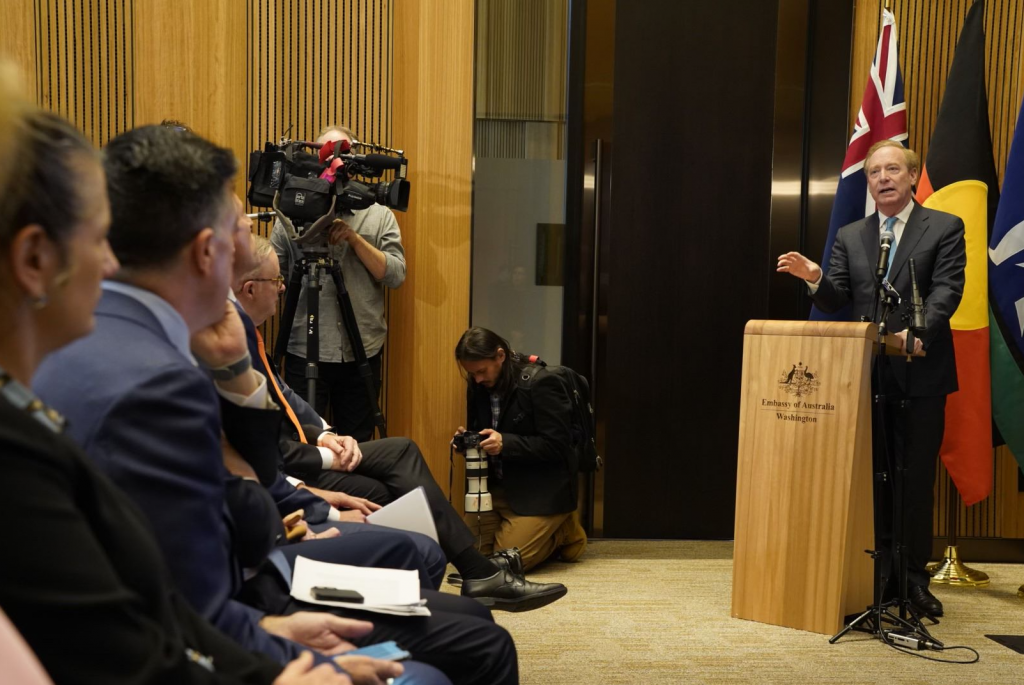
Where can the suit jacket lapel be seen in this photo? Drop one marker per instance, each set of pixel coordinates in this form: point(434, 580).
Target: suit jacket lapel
point(915, 229)
point(869, 235)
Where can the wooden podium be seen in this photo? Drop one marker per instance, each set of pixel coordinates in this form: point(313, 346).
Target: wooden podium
point(803, 488)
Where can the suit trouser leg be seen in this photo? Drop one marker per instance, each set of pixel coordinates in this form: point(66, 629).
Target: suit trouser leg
point(354, 484)
point(399, 465)
point(351, 412)
point(920, 440)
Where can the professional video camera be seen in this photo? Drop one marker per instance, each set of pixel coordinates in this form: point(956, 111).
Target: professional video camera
point(309, 185)
point(478, 498)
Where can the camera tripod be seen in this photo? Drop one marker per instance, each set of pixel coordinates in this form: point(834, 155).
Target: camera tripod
point(316, 263)
point(897, 616)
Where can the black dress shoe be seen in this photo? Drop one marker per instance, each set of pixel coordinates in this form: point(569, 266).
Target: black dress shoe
point(511, 559)
point(933, 598)
point(924, 601)
point(510, 591)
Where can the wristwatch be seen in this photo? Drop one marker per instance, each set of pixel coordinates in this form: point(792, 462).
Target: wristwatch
point(232, 371)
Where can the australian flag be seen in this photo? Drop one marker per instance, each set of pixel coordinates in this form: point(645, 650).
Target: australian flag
point(882, 115)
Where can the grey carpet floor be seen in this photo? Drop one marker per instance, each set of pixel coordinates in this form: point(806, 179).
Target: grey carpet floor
point(659, 612)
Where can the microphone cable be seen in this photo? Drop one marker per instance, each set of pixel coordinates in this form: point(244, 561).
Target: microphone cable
point(887, 639)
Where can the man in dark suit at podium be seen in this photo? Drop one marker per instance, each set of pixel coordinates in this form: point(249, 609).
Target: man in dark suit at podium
point(935, 241)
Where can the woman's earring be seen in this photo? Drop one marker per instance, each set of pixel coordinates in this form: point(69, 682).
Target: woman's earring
point(40, 302)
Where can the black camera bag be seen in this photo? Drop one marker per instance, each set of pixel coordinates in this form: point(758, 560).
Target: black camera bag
point(582, 425)
point(305, 199)
point(270, 169)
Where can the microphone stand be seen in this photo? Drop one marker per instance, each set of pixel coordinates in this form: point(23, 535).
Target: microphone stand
point(880, 282)
point(879, 614)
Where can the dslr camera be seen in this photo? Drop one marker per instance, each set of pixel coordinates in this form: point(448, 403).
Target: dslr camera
point(467, 441)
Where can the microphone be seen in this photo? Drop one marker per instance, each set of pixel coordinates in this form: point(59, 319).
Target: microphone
point(916, 303)
point(379, 161)
point(262, 216)
point(883, 253)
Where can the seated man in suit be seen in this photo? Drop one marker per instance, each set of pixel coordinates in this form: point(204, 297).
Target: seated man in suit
point(261, 445)
point(379, 470)
point(148, 414)
point(935, 240)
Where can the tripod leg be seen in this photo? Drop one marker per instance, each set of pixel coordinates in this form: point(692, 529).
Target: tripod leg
point(866, 617)
point(313, 288)
point(348, 319)
point(291, 305)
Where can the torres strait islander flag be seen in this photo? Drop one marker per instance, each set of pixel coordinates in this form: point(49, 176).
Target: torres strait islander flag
point(1006, 299)
point(882, 115)
point(960, 178)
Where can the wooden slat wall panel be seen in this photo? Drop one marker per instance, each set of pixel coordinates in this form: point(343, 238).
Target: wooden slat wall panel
point(319, 62)
point(210, 99)
point(83, 58)
point(433, 106)
point(314, 63)
point(520, 43)
point(498, 138)
point(928, 33)
point(521, 78)
point(18, 42)
point(1010, 510)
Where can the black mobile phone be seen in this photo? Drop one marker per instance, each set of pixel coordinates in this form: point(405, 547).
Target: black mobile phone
point(333, 594)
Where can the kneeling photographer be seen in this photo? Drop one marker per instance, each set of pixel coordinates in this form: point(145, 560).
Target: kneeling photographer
point(524, 423)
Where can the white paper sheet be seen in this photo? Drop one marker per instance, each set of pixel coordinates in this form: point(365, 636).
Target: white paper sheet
point(408, 512)
point(384, 590)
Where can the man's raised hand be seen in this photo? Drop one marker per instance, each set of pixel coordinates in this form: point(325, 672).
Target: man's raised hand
point(796, 264)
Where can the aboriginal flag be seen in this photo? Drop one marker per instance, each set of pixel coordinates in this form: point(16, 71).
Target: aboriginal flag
point(960, 178)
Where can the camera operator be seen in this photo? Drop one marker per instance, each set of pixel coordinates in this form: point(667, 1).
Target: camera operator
point(368, 246)
point(526, 430)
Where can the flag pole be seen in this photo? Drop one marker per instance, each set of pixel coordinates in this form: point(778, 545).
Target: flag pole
point(951, 570)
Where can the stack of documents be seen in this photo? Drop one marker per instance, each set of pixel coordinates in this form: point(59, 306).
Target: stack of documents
point(384, 590)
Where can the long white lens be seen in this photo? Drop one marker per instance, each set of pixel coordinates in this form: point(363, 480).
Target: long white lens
point(478, 499)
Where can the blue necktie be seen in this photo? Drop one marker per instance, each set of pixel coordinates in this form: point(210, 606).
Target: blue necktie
point(280, 562)
point(890, 225)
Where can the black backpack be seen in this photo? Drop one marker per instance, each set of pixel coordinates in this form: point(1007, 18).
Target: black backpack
point(578, 389)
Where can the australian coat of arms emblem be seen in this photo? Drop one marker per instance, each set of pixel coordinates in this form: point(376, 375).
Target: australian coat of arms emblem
point(799, 381)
